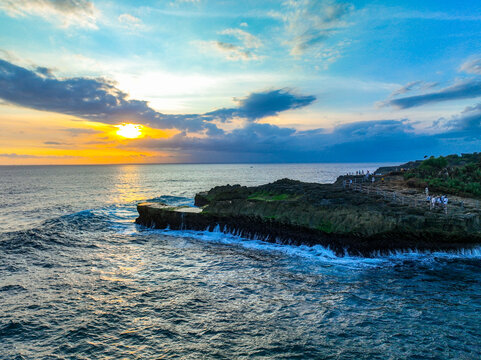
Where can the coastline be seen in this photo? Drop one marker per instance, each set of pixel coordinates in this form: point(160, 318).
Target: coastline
point(339, 218)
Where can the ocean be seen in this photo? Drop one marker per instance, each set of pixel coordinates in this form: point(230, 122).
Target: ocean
point(80, 280)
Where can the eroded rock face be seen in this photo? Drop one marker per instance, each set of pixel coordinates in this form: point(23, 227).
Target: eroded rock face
point(294, 212)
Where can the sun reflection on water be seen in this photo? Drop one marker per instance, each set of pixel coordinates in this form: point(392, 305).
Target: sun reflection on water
point(127, 186)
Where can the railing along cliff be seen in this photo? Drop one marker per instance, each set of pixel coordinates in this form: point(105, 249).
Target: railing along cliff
point(418, 200)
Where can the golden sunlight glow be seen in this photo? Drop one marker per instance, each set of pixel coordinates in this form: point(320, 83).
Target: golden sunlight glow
point(57, 139)
point(129, 131)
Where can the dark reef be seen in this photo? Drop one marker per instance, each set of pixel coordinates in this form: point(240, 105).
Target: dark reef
point(332, 215)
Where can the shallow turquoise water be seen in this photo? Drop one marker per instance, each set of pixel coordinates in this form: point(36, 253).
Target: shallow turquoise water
point(79, 280)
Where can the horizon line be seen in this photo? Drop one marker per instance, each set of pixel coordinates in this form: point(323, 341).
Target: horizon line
point(214, 163)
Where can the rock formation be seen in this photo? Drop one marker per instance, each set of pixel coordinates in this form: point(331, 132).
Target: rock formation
point(332, 215)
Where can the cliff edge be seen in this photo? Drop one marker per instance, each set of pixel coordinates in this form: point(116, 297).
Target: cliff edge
point(359, 219)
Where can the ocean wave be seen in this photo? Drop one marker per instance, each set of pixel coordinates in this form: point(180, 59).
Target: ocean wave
point(12, 288)
point(11, 328)
point(319, 253)
point(173, 200)
point(66, 230)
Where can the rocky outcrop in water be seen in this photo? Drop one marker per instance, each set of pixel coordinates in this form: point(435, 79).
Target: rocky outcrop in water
point(294, 212)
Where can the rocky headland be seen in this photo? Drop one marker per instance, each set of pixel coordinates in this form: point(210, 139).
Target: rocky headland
point(362, 218)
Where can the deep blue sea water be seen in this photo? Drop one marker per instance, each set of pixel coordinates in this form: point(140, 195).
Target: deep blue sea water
point(79, 280)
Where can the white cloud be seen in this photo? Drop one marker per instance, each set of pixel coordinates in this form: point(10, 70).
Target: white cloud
point(242, 47)
point(310, 23)
point(131, 21)
point(248, 40)
point(80, 13)
point(417, 85)
point(229, 51)
point(472, 66)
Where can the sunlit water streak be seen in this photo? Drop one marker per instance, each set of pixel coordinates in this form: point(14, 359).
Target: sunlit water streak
point(78, 279)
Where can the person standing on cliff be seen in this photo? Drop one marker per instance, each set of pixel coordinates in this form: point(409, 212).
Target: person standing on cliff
point(426, 191)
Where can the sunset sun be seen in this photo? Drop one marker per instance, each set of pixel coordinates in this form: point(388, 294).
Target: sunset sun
point(129, 131)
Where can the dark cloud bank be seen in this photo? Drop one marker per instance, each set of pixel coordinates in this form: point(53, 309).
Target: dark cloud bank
point(468, 89)
point(259, 105)
point(368, 141)
point(386, 140)
point(99, 100)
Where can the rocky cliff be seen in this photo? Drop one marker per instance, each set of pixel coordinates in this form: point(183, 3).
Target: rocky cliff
point(294, 212)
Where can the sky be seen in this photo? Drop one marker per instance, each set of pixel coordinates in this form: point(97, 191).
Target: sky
point(204, 81)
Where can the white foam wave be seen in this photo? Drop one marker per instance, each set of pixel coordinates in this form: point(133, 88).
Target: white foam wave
point(123, 221)
point(319, 253)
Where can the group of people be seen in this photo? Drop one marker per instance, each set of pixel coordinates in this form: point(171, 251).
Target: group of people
point(359, 172)
point(348, 183)
point(437, 201)
point(433, 201)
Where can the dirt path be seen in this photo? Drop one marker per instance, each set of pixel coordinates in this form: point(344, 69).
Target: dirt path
point(394, 190)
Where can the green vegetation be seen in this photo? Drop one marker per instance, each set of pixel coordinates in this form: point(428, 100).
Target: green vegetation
point(262, 196)
point(433, 164)
point(452, 174)
point(326, 227)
